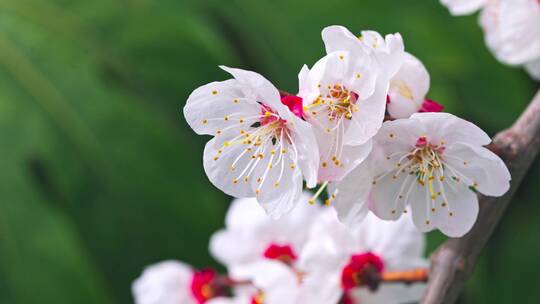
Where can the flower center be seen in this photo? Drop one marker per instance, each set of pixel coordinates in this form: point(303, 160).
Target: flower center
point(336, 101)
point(283, 253)
point(257, 298)
point(204, 285)
point(362, 270)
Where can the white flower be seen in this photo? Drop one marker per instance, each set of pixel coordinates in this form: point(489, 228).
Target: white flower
point(344, 98)
point(251, 237)
point(435, 163)
point(408, 88)
point(167, 282)
point(261, 148)
point(339, 262)
point(512, 30)
point(463, 7)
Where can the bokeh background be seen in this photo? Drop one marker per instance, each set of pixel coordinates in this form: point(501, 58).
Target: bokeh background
point(100, 175)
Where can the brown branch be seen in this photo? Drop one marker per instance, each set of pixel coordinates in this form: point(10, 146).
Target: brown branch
point(454, 261)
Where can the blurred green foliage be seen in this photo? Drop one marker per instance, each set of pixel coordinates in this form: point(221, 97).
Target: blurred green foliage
point(100, 175)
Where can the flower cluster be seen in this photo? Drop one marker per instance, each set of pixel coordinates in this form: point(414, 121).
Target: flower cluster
point(360, 124)
point(307, 256)
point(511, 27)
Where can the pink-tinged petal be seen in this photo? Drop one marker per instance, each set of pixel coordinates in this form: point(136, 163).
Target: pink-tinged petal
point(167, 282)
point(431, 106)
point(478, 167)
point(396, 136)
point(219, 105)
point(463, 7)
point(449, 129)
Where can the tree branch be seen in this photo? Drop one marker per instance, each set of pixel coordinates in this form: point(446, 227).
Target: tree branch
point(454, 261)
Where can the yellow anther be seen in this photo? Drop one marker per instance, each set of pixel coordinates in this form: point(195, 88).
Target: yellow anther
point(393, 211)
point(246, 179)
point(235, 181)
point(226, 144)
point(400, 196)
point(358, 76)
point(216, 158)
point(267, 114)
point(235, 100)
point(443, 204)
point(205, 121)
point(226, 118)
point(293, 166)
point(311, 201)
point(341, 57)
point(355, 109)
point(218, 132)
point(427, 222)
point(450, 213)
point(259, 180)
point(324, 164)
point(276, 184)
point(433, 210)
point(272, 152)
point(214, 92)
point(241, 120)
point(283, 151)
point(391, 135)
point(232, 168)
point(257, 192)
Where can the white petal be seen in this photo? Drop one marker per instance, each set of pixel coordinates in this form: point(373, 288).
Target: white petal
point(480, 166)
point(277, 196)
point(451, 129)
point(533, 68)
point(321, 288)
point(408, 88)
point(368, 120)
point(463, 7)
point(352, 194)
point(339, 38)
point(218, 105)
point(278, 282)
point(390, 294)
point(389, 51)
point(462, 203)
point(304, 139)
point(512, 30)
point(257, 87)
point(218, 166)
point(245, 214)
point(420, 206)
point(398, 135)
point(390, 194)
point(167, 282)
point(224, 247)
point(351, 157)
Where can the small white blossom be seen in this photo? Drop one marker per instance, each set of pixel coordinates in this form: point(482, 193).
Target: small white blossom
point(251, 237)
point(335, 258)
point(167, 282)
point(511, 29)
point(408, 88)
point(261, 148)
point(434, 163)
point(344, 97)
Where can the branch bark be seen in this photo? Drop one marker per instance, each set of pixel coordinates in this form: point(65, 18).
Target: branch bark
point(454, 261)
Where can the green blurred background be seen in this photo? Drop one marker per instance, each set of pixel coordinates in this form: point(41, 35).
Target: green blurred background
point(100, 175)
